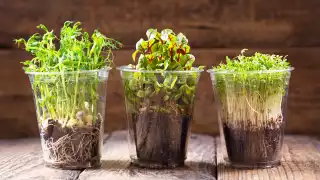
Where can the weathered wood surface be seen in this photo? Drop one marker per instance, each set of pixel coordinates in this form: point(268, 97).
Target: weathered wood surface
point(300, 161)
point(200, 164)
point(207, 23)
point(22, 160)
point(17, 113)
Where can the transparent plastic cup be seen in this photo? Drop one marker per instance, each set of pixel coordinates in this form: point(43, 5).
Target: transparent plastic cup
point(252, 112)
point(159, 106)
point(70, 109)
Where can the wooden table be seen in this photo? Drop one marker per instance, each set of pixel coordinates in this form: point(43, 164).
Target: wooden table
point(22, 160)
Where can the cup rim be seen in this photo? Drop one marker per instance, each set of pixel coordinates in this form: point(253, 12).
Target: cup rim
point(70, 72)
point(129, 69)
point(212, 71)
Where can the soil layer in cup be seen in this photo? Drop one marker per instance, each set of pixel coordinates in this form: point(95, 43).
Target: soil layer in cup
point(161, 139)
point(249, 146)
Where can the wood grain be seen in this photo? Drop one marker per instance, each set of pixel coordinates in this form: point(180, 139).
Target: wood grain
point(207, 23)
point(17, 114)
point(200, 164)
point(300, 161)
point(22, 160)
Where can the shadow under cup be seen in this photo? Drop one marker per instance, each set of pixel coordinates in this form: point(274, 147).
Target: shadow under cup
point(252, 112)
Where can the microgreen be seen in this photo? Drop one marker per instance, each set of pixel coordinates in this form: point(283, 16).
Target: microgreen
point(163, 51)
point(252, 87)
point(76, 50)
point(168, 59)
point(61, 89)
point(256, 62)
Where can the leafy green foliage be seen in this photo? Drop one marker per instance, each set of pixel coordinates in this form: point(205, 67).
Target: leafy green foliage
point(170, 81)
point(243, 73)
point(65, 89)
point(251, 85)
point(257, 62)
point(163, 51)
point(76, 50)
point(165, 92)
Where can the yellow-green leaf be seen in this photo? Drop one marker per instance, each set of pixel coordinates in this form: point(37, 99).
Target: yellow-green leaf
point(134, 55)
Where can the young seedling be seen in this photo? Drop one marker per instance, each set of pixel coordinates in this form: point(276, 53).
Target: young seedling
point(67, 74)
point(168, 56)
point(160, 89)
point(251, 94)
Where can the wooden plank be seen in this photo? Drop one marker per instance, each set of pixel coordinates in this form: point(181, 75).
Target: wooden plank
point(17, 109)
point(207, 23)
point(299, 13)
point(22, 160)
point(300, 161)
point(200, 163)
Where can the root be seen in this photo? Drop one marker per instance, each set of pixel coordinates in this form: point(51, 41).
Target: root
point(251, 106)
point(73, 148)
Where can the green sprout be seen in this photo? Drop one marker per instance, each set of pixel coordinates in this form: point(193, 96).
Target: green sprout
point(252, 88)
point(163, 62)
point(163, 51)
point(62, 91)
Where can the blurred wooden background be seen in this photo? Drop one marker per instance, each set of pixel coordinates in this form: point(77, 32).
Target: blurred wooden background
point(215, 28)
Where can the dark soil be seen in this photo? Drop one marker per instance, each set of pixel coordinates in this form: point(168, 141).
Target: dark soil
point(254, 146)
point(72, 147)
point(161, 138)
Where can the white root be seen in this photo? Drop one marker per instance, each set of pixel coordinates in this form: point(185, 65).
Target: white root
point(249, 109)
point(73, 148)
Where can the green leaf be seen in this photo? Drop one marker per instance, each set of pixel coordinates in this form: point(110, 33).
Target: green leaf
point(186, 49)
point(133, 84)
point(165, 34)
point(27, 62)
point(157, 84)
point(141, 94)
point(145, 45)
point(151, 34)
point(190, 60)
point(155, 48)
point(173, 81)
point(166, 65)
point(139, 44)
point(167, 81)
point(181, 38)
point(177, 96)
point(172, 38)
point(189, 90)
point(43, 27)
point(182, 80)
